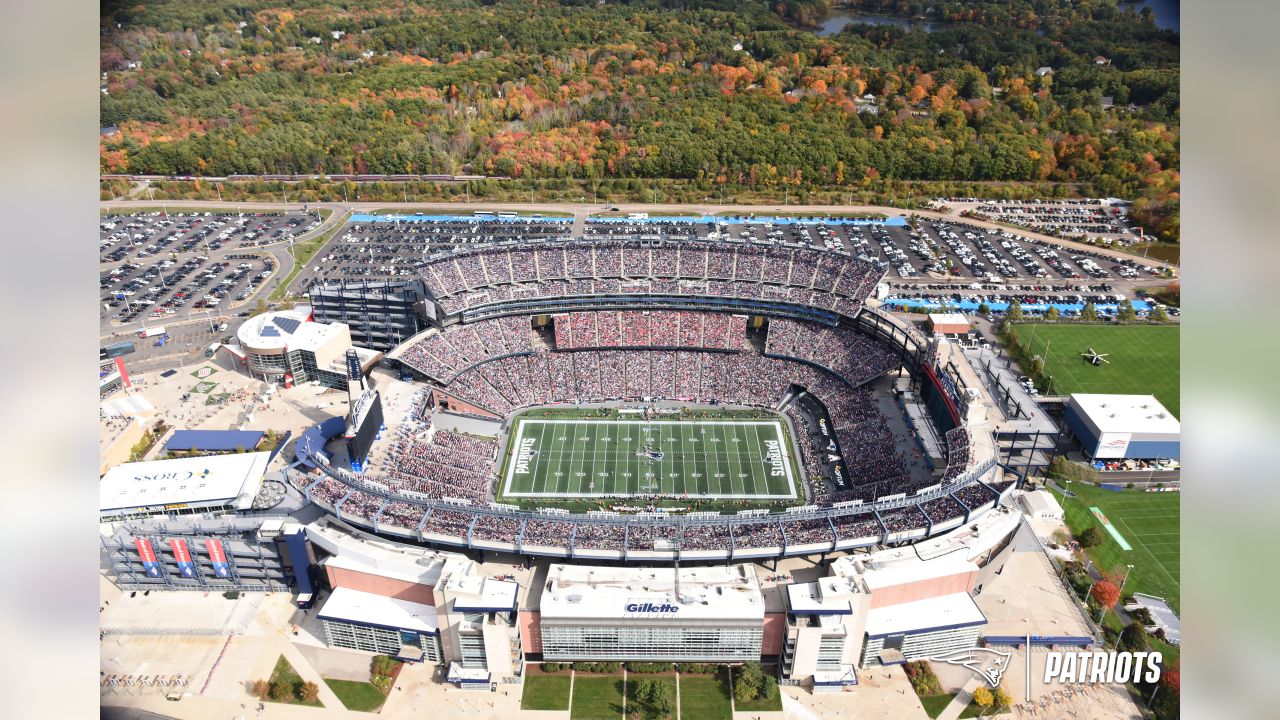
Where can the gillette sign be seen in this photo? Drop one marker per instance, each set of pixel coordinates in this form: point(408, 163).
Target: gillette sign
point(649, 608)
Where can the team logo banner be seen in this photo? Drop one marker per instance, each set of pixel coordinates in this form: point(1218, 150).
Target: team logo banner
point(218, 558)
point(186, 567)
point(150, 564)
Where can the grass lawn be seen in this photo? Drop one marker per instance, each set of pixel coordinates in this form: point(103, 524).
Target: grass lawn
point(935, 704)
point(1143, 359)
point(774, 705)
point(284, 671)
point(704, 697)
point(635, 705)
point(360, 696)
point(545, 692)
point(597, 697)
point(1150, 524)
point(302, 253)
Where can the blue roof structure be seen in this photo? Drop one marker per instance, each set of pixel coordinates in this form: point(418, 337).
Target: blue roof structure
point(213, 440)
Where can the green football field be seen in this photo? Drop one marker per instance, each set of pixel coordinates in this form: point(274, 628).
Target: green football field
point(747, 459)
point(1142, 359)
point(1149, 524)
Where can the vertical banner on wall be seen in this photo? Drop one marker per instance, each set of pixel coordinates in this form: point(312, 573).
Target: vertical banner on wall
point(124, 374)
point(150, 564)
point(182, 554)
point(218, 558)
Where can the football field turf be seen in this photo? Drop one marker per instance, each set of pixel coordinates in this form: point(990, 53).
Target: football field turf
point(595, 457)
point(1141, 359)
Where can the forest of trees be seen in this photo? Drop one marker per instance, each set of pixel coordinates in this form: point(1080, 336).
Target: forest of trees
point(728, 93)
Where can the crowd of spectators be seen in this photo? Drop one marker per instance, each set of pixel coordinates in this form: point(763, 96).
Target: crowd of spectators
point(442, 354)
point(848, 353)
point(549, 269)
point(959, 454)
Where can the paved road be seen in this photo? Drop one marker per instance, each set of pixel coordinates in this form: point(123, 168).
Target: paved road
point(583, 210)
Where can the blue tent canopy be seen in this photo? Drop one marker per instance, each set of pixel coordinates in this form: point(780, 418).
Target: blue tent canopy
point(213, 440)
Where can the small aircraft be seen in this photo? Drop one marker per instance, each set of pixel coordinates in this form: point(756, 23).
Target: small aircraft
point(1093, 357)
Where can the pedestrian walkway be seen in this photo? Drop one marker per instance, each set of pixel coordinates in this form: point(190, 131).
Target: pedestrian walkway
point(961, 700)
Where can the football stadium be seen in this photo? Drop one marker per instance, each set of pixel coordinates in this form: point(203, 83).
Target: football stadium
point(656, 441)
point(651, 391)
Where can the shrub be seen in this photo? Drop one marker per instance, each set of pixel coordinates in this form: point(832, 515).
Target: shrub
point(383, 665)
point(698, 668)
point(923, 681)
point(310, 692)
point(1090, 537)
point(1134, 638)
point(231, 594)
point(260, 689)
point(382, 682)
point(648, 667)
point(281, 691)
point(550, 667)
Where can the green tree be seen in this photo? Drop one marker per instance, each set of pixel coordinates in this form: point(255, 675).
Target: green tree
point(747, 682)
point(1158, 315)
point(260, 689)
point(1014, 313)
point(1052, 313)
point(984, 309)
point(1126, 312)
point(1090, 537)
point(1089, 313)
point(1134, 638)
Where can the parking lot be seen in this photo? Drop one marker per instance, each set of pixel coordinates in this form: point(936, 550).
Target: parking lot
point(1105, 221)
point(154, 266)
point(389, 249)
point(942, 260)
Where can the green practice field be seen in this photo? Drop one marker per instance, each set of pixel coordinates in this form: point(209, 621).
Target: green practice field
point(566, 457)
point(1143, 359)
point(1149, 523)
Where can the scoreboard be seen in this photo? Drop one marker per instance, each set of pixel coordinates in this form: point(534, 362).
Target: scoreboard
point(364, 425)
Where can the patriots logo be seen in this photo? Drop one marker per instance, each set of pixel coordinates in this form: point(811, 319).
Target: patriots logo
point(984, 662)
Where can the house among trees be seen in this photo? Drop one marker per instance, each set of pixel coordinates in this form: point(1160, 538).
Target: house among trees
point(1108, 102)
point(1100, 60)
point(1044, 70)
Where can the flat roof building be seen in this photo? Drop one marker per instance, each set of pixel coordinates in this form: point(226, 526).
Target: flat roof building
point(711, 614)
point(947, 324)
point(225, 483)
point(288, 347)
point(1124, 426)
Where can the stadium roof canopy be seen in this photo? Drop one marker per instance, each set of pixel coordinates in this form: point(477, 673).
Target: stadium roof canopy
point(185, 482)
point(1126, 413)
point(214, 440)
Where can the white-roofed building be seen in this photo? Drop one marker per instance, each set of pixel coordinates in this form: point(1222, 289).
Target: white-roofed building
point(1124, 426)
point(288, 347)
point(376, 623)
point(711, 614)
point(472, 616)
point(217, 483)
point(1041, 504)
